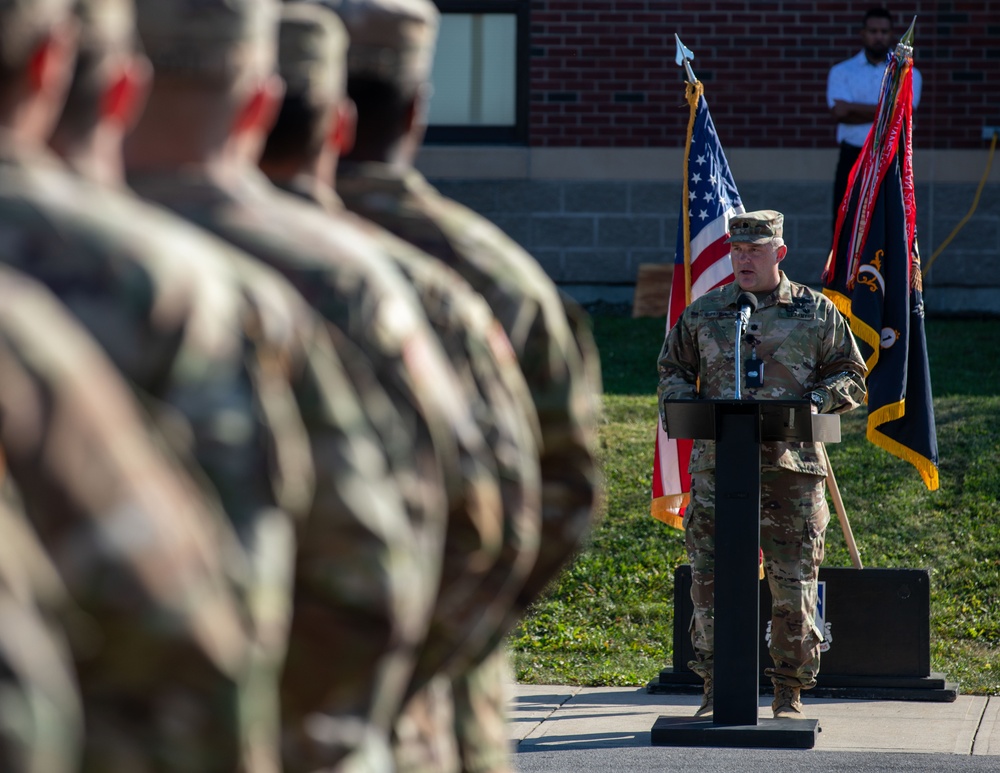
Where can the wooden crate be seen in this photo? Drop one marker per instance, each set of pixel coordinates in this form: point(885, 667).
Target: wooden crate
point(652, 290)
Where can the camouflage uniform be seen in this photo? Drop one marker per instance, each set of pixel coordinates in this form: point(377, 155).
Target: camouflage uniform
point(155, 630)
point(807, 348)
point(387, 346)
point(549, 334)
point(336, 704)
point(392, 41)
point(473, 597)
point(41, 727)
point(558, 359)
point(241, 380)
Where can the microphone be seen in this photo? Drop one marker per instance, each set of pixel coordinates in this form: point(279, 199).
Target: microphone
point(748, 305)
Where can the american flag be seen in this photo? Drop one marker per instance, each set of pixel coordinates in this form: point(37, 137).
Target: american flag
point(710, 199)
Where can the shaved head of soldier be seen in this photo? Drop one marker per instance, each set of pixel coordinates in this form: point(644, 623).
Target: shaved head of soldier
point(389, 65)
point(215, 90)
point(110, 83)
point(37, 46)
point(317, 120)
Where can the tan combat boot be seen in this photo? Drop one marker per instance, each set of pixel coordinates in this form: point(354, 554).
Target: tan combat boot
point(707, 699)
point(787, 703)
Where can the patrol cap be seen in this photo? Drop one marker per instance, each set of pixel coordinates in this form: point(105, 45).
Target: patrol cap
point(758, 227)
point(105, 22)
point(391, 40)
point(22, 23)
point(207, 37)
point(312, 50)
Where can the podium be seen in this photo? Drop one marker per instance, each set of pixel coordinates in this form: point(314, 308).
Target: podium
point(738, 427)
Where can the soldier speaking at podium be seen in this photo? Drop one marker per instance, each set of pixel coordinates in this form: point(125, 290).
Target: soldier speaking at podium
point(796, 345)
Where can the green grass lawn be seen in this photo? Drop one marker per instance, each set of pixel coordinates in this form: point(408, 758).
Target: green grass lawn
point(608, 620)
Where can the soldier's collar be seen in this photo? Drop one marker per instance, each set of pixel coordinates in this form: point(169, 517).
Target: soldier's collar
point(782, 294)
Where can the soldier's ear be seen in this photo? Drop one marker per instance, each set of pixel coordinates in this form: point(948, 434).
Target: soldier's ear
point(50, 66)
point(779, 254)
point(125, 98)
point(261, 108)
point(344, 127)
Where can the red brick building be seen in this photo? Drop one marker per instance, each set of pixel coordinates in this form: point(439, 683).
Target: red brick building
point(571, 125)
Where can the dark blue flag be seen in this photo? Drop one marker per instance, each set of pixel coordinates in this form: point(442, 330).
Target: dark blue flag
point(873, 276)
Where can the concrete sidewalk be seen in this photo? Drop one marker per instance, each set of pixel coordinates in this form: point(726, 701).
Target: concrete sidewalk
point(551, 718)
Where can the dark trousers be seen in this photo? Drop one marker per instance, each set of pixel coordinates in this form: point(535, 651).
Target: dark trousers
point(848, 155)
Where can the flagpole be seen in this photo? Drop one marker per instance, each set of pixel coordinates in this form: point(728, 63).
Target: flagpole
point(838, 505)
point(684, 56)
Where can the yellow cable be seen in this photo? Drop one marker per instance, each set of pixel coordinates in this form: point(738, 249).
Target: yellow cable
point(975, 203)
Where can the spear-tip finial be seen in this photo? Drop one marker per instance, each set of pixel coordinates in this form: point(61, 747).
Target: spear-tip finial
point(683, 57)
point(905, 45)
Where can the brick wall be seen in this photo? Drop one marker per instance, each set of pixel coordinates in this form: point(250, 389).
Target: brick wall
point(603, 72)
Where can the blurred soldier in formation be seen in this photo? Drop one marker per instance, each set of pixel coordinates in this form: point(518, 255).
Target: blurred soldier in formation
point(389, 59)
point(195, 151)
point(42, 724)
point(154, 631)
point(314, 126)
point(234, 369)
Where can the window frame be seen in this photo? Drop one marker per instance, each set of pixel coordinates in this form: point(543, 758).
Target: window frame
point(444, 134)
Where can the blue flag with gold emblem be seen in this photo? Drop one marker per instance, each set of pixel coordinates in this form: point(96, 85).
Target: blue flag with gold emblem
point(873, 276)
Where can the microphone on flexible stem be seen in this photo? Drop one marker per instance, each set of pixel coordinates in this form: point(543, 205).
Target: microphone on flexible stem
point(747, 303)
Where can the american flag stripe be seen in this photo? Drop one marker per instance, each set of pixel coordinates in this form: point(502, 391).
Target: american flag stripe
point(712, 198)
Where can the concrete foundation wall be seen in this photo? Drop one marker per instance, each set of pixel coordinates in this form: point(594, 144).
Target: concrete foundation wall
point(591, 230)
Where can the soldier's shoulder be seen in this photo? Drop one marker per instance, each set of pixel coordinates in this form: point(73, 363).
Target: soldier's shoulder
point(808, 299)
point(473, 233)
point(712, 301)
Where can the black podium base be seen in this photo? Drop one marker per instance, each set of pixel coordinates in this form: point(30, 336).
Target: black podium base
point(877, 624)
point(766, 734)
point(934, 688)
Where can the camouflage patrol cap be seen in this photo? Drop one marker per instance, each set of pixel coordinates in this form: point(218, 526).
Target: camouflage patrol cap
point(207, 37)
point(391, 40)
point(758, 227)
point(312, 49)
point(105, 22)
point(22, 23)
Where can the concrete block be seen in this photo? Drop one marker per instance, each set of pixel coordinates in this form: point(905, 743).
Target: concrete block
point(952, 201)
point(594, 266)
point(598, 197)
point(562, 232)
point(655, 198)
point(551, 261)
point(975, 238)
point(517, 228)
point(478, 195)
point(955, 268)
point(629, 232)
point(528, 196)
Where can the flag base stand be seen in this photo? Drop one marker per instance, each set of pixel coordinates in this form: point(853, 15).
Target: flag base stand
point(877, 622)
point(766, 734)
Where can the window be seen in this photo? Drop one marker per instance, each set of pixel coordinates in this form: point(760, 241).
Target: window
point(480, 73)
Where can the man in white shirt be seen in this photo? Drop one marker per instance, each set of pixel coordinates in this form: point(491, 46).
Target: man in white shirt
point(852, 92)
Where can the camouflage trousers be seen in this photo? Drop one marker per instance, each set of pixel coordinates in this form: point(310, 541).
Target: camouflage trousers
point(793, 520)
point(458, 724)
point(41, 724)
point(423, 740)
point(481, 695)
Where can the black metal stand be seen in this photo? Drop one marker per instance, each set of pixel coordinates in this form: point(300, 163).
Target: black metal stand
point(877, 624)
point(738, 427)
